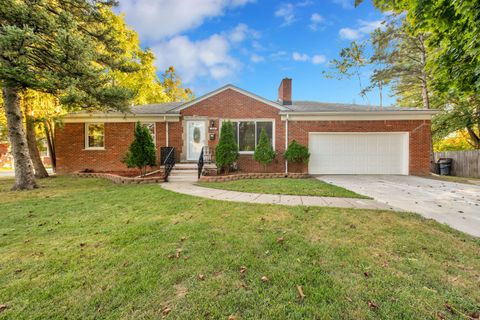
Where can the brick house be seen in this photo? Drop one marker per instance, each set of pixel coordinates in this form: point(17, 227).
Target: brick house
point(342, 138)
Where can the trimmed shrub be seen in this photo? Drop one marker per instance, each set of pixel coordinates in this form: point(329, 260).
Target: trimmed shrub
point(226, 152)
point(297, 153)
point(264, 152)
point(142, 151)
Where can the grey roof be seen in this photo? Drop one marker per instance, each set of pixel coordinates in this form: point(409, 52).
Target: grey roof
point(157, 108)
point(314, 106)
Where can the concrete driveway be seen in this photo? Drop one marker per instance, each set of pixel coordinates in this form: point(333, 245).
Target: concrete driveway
point(455, 204)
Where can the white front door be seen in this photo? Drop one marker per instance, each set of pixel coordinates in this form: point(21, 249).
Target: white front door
point(358, 153)
point(195, 139)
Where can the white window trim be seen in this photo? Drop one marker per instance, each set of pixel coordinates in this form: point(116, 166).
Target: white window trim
point(87, 147)
point(252, 120)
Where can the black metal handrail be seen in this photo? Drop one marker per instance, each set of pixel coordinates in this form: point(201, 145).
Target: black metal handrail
point(168, 163)
point(200, 163)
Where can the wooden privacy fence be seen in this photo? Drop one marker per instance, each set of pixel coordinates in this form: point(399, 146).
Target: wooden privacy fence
point(465, 163)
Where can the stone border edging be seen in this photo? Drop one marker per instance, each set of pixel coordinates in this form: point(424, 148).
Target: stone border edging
point(118, 179)
point(242, 176)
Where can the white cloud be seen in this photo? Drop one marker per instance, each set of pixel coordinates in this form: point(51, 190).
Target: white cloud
point(287, 11)
point(315, 20)
point(364, 28)
point(209, 57)
point(242, 32)
point(346, 4)
point(300, 56)
point(349, 34)
point(318, 59)
point(255, 58)
point(156, 19)
point(279, 55)
point(257, 46)
point(303, 57)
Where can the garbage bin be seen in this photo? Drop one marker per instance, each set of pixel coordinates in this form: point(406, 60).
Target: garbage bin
point(445, 165)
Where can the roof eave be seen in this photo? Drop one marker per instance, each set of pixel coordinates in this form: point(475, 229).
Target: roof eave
point(336, 113)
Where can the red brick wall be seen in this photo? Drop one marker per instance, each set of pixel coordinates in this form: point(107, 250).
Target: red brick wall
point(419, 144)
point(231, 104)
point(228, 104)
point(72, 155)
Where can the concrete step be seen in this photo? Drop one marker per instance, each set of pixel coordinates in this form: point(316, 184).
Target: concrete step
point(185, 166)
point(188, 178)
point(184, 172)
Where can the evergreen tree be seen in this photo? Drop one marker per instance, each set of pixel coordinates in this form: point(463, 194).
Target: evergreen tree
point(296, 153)
point(66, 48)
point(264, 152)
point(226, 152)
point(142, 151)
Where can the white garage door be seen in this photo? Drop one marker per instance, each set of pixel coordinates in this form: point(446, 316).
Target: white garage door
point(358, 153)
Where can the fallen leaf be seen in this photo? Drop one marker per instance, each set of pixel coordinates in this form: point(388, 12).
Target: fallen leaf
point(449, 308)
point(177, 253)
point(186, 258)
point(166, 311)
point(232, 317)
point(280, 239)
point(264, 279)
point(440, 316)
point(3, 307)
point(372, 305)
point(301, 295)
point(201, 277)
point(243, 269)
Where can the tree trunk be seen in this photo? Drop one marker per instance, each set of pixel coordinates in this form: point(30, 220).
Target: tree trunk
point(24, 175)
point(475, 139)
point(425, 97)
point(40, 171)
point(50, 136)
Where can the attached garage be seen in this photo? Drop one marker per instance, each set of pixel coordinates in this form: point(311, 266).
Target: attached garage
point(359, 153)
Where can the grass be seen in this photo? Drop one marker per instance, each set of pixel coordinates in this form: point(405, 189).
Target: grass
point(301, 187)
point(88, 249)
point(465, 180)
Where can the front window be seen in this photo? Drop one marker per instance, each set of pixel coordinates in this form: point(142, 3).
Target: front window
point(247, 133)
point(95, 138)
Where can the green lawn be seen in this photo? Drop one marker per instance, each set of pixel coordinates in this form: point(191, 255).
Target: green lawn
point(89, 249)
point(303, 187)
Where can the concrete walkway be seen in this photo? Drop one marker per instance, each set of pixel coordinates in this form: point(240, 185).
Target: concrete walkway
point(455, 204)
point(217, 194)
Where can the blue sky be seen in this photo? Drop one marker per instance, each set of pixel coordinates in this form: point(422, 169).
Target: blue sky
point(254, 44)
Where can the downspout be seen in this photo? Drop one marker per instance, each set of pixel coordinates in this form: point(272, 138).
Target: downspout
point(286, 143)
point(166, 130)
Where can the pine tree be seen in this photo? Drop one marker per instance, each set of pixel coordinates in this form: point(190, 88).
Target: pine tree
point(296, 153)
point(264, 152)
point(66, 48)
point(226, 152)
point(142, 151)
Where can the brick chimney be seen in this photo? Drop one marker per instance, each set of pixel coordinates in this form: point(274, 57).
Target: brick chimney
point(285, 91)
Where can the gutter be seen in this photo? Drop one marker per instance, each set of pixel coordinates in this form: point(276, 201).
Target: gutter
point(338, 113)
